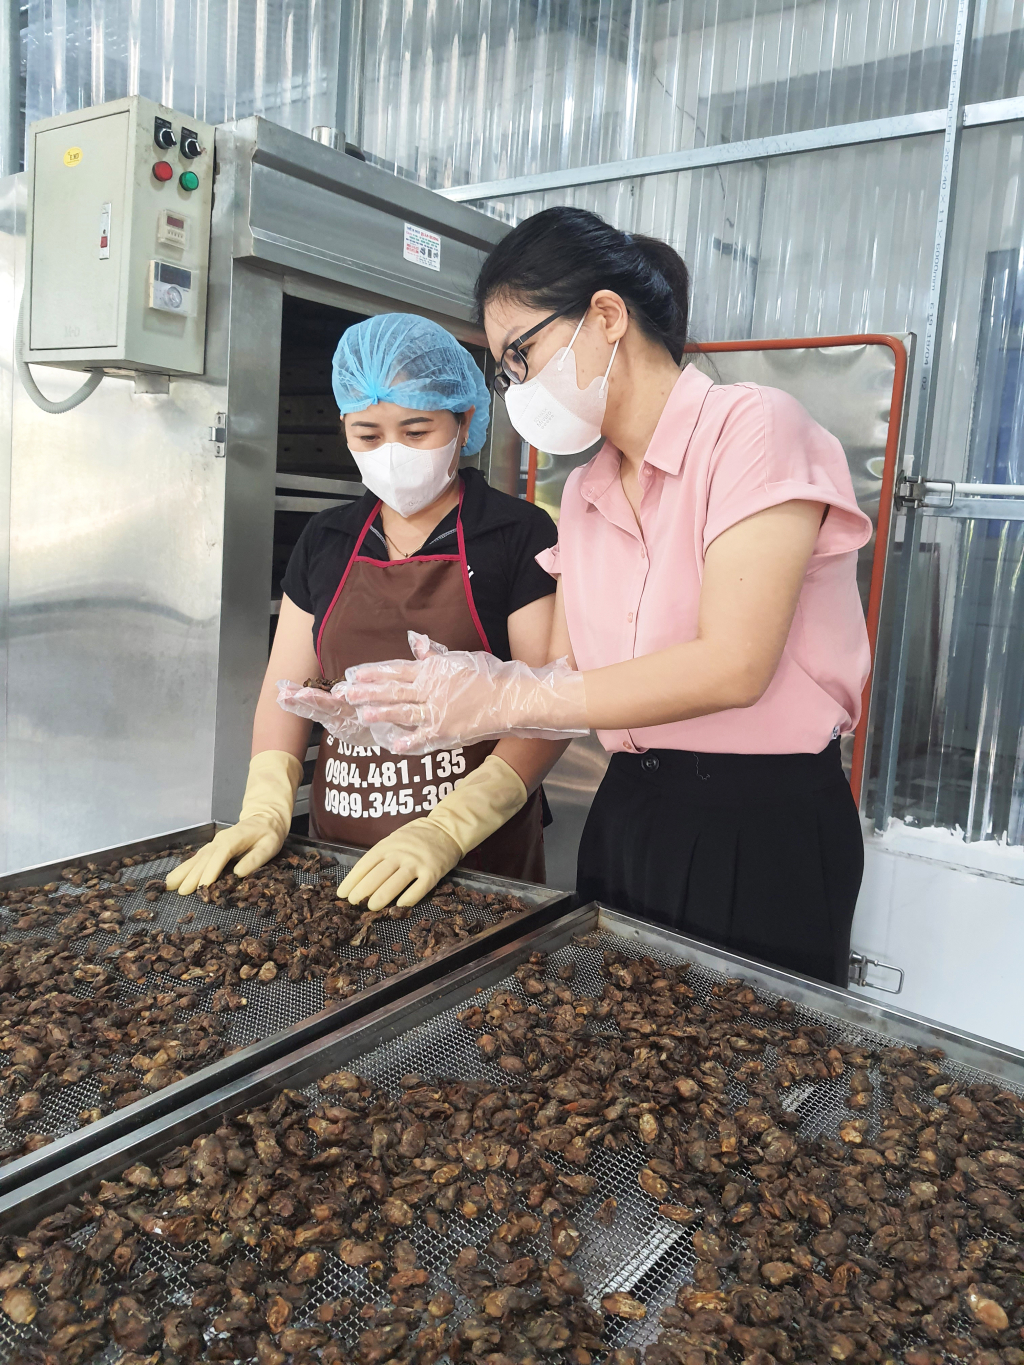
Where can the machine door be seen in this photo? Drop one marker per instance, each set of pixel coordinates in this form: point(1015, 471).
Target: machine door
point(855, 387)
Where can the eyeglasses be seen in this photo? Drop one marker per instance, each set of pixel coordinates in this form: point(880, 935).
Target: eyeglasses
point(514, 365)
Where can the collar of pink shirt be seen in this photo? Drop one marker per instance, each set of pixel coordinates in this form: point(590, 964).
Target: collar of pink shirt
point(667, 450)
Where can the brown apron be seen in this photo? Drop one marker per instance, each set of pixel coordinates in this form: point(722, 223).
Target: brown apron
point(361, 794)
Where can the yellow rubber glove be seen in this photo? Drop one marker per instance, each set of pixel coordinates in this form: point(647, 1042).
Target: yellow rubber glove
point(263, 824)
point(422, 851)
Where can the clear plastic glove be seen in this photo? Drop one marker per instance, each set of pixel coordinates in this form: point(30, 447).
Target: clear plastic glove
point(263, 825)
point(442, 698)
point(330, 709)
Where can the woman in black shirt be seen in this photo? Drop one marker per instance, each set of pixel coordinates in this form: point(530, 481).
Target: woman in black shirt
point(428, 549)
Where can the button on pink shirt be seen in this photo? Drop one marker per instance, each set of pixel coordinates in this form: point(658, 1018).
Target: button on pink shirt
point(719, 454)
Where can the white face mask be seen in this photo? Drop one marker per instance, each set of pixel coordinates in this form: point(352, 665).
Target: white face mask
point(406, 479)
point(552, 412)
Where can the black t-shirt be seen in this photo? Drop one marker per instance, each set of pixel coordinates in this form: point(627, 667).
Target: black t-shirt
point(502, 534)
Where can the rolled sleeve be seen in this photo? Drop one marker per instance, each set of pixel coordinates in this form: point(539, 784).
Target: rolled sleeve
point(528, 579)
point(295, 583)
point(771, 451)
point(548, 561)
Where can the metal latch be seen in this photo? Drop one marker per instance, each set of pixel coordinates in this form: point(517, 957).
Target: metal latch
point(219, 434)
point(915, 492)
point(860, 967)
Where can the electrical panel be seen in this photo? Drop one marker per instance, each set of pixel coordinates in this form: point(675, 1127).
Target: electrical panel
point(120, 198)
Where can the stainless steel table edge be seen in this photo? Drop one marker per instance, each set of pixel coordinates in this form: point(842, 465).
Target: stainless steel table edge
point(550, 903)
point(483, 881)
point(21, 1208)
point(48, 872)
point(982, 1053)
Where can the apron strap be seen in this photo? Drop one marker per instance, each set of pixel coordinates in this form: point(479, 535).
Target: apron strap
point(348, 567)
point(465, 573)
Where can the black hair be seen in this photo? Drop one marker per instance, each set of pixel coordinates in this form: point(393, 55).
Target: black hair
point(561, 257)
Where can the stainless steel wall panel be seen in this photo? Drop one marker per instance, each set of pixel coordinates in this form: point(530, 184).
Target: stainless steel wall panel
point(244, 353)
point(848, 389)
point(116, 523)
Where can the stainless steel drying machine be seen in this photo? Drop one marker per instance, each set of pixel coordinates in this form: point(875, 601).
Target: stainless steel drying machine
point(148, 528)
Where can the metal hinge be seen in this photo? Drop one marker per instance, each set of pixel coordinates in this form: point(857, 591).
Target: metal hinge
point(219, 434)
point(860, 966)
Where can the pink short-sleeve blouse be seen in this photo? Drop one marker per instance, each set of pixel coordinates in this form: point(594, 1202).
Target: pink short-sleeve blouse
point(720, 453)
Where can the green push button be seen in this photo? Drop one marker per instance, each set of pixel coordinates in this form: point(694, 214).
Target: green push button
point(188, 180)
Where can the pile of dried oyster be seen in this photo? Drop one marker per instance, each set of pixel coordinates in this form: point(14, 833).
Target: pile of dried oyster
point(141, 1010)
point(897, 1237)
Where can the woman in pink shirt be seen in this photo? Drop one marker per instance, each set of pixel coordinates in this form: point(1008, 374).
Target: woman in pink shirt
point(707, 610)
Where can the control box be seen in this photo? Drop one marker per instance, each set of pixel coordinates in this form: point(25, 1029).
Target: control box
point(118, 239)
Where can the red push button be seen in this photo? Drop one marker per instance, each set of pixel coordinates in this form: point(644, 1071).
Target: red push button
point(163, 170)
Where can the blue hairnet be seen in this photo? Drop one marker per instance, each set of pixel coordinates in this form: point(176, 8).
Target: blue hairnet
point(408, 360)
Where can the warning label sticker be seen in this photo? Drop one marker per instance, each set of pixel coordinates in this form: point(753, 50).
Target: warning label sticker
point(422, 247)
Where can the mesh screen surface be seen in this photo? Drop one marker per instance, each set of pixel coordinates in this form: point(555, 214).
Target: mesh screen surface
point(271, 1006)
point(641, 1253)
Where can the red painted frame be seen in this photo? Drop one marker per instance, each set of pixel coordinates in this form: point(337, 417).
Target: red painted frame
point(531, 475)
point(892, 446)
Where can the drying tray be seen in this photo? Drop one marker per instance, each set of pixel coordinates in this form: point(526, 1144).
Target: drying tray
point(642, 1254)
point(280, 1016)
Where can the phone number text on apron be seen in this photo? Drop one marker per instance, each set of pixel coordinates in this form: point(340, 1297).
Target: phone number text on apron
point(403, 787)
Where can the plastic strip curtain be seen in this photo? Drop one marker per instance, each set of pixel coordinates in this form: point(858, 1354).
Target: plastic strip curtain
point(822, 243)
point(218, 59)
point(961, 760)
point(997, 56)
point(473, 90)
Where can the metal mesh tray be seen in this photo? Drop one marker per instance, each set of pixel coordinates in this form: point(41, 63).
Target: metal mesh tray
point(641, 1254)
point(279, 1016)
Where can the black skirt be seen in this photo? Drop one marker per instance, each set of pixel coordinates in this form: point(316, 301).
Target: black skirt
point(760, 853)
